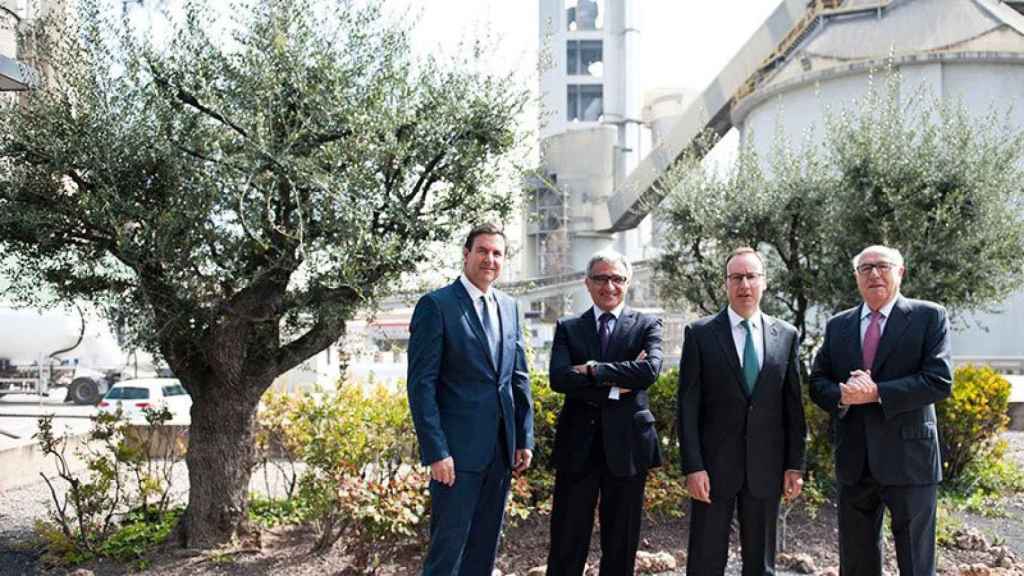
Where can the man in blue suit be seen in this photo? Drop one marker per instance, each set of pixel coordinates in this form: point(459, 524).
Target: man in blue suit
point(469, 394)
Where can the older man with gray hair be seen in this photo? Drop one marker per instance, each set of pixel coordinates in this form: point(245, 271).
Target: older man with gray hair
point(603, 361)
point(882, 367)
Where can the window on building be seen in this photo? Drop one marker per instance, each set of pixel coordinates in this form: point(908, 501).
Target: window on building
point(584, 14)
point(584, 102)
point(584, 57)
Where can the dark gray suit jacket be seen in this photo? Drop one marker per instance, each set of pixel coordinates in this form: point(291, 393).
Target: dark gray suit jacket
point(629, 438)
point(736, 438)
point(898, 437)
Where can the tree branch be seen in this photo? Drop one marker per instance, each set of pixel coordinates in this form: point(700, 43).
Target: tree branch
point(190, 100)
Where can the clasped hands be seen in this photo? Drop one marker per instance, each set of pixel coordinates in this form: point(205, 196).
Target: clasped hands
point(859, 389)
point(584, 369)
point(698, 484)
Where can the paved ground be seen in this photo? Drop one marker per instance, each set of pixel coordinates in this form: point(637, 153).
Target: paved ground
point(19, 413)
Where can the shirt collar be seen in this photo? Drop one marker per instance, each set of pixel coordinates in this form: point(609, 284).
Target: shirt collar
point(735, 319)
point(474, 292)
point(616, 312)
point(885, 310)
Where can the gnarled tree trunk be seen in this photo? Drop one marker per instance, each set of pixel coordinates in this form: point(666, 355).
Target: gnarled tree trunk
point(220, 460)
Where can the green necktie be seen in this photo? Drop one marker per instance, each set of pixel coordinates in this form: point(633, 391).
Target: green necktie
point(749, 361)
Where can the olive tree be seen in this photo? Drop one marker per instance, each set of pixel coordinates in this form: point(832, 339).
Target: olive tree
point(239, 192)
point(910, 171)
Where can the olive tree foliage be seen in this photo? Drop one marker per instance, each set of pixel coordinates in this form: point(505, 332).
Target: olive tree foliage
point(905, 170)
point(240, 192)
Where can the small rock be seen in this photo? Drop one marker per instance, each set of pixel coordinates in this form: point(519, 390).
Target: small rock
point(81, 572)
point(970, 539)
point(975, 570)
point(539, 571)
point(496, 572)
point(654, 563)
point(830, 571)
point(802, 563)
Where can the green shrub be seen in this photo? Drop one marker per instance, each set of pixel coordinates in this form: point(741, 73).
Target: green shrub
point(271, 512)
point(665, 493)
point(820, 462)
point(120, 505)
point(546, 405)
point(662, 397)
point(971, 419)
point(139, 532)
point(362, 479)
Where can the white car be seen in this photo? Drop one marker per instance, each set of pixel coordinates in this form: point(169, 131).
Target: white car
point(133, 396)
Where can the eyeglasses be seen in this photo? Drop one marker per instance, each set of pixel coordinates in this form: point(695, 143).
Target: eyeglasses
point(739, 278)
point(604, 279)
point(868, 267)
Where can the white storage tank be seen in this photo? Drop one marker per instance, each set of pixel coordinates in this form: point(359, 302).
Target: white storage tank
point(971, 50)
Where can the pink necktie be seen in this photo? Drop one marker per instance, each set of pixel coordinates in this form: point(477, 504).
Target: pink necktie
point(871, 338)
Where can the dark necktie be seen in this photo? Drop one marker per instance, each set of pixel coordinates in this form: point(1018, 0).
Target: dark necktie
point(871, 337)
point(750, 368)
point(489, 330)
point(604, 332)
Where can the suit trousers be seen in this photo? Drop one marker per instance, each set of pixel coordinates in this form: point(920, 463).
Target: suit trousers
point(466, 518)
point(860, 527)
point(708, 549)
point(572, 517)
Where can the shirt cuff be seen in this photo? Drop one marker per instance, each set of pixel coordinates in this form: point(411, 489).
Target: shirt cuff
point(613, 393)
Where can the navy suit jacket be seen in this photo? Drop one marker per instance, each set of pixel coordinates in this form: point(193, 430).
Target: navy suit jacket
point(631, 443)
point(897, 438)
point(734, 437)
point(457, 394)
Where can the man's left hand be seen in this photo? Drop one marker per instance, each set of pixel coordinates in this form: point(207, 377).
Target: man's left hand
point(523, 458)
point(792, 484)
point(859, 389)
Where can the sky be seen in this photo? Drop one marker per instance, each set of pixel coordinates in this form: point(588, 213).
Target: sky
point(683, 43)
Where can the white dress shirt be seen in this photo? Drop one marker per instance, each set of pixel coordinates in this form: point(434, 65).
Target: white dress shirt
point(613, 392)
point(865, 317)
point(739, 334)
point(492, 303)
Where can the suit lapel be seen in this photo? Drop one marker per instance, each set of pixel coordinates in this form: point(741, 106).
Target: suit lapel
point(895, 325)
point(622, 327)
point(775, 354)
point(469, 310)
point(506, 313)
point(588, 327)
point(851, 329)
point(724, 333)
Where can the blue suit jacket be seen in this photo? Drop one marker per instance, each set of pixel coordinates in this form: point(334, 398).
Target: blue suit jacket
point(456, 392)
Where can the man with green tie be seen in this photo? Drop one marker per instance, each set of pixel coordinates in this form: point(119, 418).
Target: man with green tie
point(741, 423)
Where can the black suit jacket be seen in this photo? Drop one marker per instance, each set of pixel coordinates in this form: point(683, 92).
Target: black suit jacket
point(897, 437)
point(736, 438)
point(631, 443)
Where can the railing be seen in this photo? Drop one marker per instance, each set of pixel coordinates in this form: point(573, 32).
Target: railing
point(816, 10)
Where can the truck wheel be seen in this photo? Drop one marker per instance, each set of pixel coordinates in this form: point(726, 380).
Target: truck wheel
point(84, 391)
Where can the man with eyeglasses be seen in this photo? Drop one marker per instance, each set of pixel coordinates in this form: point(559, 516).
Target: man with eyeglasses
point(605, 441)
point(741, 423)
point(881, 369)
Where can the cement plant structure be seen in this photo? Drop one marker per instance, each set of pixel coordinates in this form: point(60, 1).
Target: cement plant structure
point(597, 185)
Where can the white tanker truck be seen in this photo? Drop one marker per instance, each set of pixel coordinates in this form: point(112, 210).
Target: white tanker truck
point(44, 350)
